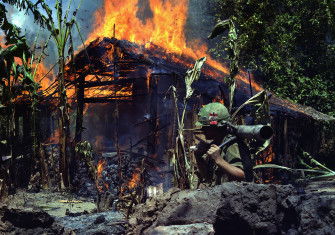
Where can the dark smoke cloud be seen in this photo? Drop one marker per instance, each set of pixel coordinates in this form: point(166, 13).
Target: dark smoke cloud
point(144, 12)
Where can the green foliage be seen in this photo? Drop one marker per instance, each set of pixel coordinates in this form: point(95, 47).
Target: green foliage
point(184, 168)
point(291, 45)
point(232, 49)
point(60, 28)
point(85, 150)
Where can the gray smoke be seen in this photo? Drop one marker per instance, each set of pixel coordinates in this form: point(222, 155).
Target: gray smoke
point(200, 21)
point(31, 29)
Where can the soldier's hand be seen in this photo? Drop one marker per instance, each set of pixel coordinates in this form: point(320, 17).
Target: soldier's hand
point(214, 152)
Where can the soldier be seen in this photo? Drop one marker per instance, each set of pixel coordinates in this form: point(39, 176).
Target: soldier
point(219, 165)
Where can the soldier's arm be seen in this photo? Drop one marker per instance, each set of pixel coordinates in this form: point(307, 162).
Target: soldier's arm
point(232, 171)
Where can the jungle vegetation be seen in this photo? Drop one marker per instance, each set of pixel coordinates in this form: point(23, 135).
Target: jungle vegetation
point(289, 45)
point(22, 74)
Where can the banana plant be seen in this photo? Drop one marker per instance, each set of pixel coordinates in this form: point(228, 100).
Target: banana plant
point(233, 51)
point(28, 71)
point(60, 26)
point(15, 47)
point(184, 171)
point(13, 81)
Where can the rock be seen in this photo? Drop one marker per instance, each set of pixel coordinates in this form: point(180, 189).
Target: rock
point(27, 218)
point(29, 222)
point(100, 219)
point(108, 222)
point(198, 228)
point(238, 208)
point(132, 221)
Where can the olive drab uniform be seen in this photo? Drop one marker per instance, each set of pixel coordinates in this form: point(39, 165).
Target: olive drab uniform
point(208, 173)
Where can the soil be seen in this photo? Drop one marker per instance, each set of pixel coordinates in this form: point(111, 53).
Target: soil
point(230, 208)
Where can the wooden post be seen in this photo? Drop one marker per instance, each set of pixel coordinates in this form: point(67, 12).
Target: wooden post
point(153, 123)
point(117, 146)
point(80, 108)
point(285, 144)
point(45, 178)
point(79, 126)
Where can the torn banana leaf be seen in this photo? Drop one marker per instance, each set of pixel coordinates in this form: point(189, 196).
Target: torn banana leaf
point(193, 75)
point(232, 89)
point(265, 144)
point(219, 28)
point(70, 201)
point(259, 98)
point(323, 176)
point(275, 166)
point(272, 166)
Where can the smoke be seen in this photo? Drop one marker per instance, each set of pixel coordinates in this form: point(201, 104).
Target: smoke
point(200, 21)
point(144, 12)
point(30, 28)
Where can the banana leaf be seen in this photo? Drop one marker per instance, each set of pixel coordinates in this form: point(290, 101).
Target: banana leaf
point(275, 166)
point(193, 75)
point(259, 98)
point(323, 176)
point(272, 166)
point(219, 28)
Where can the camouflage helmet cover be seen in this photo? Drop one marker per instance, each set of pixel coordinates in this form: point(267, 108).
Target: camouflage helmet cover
point(212, 114)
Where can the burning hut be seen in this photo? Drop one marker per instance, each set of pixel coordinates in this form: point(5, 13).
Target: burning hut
point(121, 89)
point(116, 75)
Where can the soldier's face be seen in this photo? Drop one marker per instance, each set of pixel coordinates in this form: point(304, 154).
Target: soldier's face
point(210, 132)
point(213, 133)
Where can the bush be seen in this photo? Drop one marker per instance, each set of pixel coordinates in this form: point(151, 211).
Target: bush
point(290, 44)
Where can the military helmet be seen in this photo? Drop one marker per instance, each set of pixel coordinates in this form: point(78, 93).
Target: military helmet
point(212, 114)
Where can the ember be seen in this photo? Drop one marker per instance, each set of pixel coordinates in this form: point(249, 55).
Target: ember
point(135, 179)
point(100, 167)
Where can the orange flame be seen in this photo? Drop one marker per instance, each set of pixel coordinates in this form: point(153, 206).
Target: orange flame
point(100, 167)
point(165, 28)
point(135, 179)
point(266, 157)
point(41, 77)
point(148, 79)
point(218, 100)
